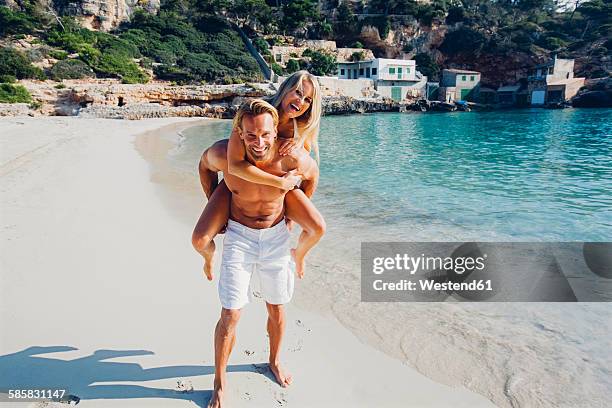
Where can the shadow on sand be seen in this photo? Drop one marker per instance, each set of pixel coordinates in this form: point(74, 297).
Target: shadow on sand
point(80, 377)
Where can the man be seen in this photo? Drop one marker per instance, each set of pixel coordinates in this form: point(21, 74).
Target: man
point(257, 237)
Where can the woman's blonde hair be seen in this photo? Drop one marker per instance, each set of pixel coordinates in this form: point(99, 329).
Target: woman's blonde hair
point(309, 121)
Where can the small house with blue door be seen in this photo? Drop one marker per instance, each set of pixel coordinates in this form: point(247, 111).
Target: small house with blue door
point(459, 85)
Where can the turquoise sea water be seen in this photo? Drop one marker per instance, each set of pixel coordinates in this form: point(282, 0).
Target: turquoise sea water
point(524, 175)
point(541, 175)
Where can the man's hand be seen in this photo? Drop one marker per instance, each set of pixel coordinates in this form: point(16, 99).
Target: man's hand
point(287, 146)
point(290, 180)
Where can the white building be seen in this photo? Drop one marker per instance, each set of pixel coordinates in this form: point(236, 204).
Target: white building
point(553, 82)
point(393, 78)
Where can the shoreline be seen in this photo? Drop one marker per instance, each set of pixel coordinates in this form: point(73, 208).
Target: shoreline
point(112, 100)
point(96, 260)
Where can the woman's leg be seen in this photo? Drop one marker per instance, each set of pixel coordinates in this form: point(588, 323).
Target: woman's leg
point(211, 222)
point(300, 209)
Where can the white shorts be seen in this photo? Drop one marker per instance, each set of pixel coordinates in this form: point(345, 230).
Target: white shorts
point(263, 252)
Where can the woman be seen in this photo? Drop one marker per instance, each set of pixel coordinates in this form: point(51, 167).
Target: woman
point(298, 102)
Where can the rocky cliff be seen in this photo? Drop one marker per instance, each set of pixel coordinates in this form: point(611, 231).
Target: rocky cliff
point(103, 15)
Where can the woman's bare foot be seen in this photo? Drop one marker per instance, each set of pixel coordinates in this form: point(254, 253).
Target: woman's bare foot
point(216, 401)
point(283, 379)
point(209, 253)
point(300, 264)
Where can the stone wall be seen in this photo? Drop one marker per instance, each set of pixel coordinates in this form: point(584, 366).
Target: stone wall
point(354, 88)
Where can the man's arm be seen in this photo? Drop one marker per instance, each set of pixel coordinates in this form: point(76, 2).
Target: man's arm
point(213, 160)
point(238, 166)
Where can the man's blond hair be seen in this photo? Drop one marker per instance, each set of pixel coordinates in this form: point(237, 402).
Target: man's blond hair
point(255, 107)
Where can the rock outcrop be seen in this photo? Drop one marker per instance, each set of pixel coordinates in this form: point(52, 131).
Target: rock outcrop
point(103, 15)
point(596, 94)
point(342, 105)
point(15, 109)
point(155, 110)
point(107, 14)
point(110, 99)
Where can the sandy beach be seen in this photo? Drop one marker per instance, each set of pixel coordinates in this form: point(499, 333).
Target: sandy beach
point(102, 294)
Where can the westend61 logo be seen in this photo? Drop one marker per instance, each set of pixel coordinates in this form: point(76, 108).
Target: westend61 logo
point(496, 272)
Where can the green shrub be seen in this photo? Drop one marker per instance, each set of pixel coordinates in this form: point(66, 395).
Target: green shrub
point(58, 54)
point(70, 69)
point(74, 39)
point(204, 67)
point(298, 13)
point(322, 64)
point(15, 63)
point(10, 93)
point(464, 39)
point(292, 66)
point(278, 70)
point(325, 29)
point(261, 45)
point(60, 86)
point(107, 55)
point(205, 48)
point(307, 52)
point(173, 74)
point(9, 79)
point(551, 43)
point(15, 22)
point(357, 56)
point(456, 14)
point(600, 51)
point(118, 65)
point(426, 13)
point(357, 44)
point(346, 23)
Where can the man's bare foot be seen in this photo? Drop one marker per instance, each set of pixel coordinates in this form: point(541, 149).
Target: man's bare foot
point(283, 379)
point(300, 264)
point(209, 253)
point(216, 401)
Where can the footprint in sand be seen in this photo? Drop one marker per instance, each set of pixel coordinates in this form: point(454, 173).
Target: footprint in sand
point(281, 398)
point(299, 345)
point(301, 324)
point(184, 386)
